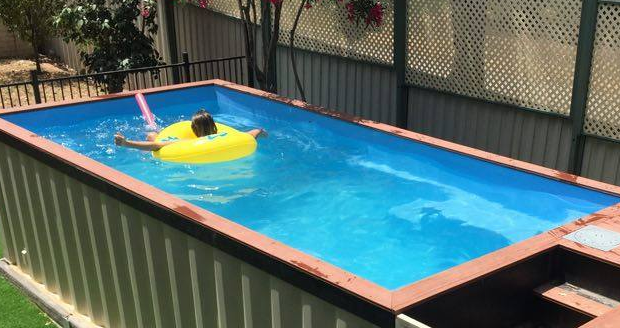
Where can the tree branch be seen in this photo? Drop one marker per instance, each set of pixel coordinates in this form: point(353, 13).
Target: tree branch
point(291, 48)
point(273, 42)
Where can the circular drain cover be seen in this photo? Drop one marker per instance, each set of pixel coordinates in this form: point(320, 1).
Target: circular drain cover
point(595, 237)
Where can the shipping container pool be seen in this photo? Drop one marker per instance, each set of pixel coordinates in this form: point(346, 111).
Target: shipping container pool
point(386, 208)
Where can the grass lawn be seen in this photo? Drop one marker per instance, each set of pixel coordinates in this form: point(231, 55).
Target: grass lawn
point(17, 311)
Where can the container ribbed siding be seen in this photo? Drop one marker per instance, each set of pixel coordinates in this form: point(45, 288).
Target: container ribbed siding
point(124, 268)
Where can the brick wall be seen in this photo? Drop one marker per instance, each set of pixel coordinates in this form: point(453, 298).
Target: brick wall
point(11, 46)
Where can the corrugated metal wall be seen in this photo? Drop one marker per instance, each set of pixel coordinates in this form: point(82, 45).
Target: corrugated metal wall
point(529, 136)
point(123, 268)
point(207, 35)
point(354, 87)
point(601, 160)
point(509, 131)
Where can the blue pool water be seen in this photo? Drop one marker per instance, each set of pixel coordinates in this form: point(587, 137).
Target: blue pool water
point(387, 209)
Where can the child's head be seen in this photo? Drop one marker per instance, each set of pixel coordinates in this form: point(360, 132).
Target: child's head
point(203, 124)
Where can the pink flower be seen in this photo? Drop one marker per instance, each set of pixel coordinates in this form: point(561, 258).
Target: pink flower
point(350, 11)
point(375, 15)
point(203, 3)
point(145, 13)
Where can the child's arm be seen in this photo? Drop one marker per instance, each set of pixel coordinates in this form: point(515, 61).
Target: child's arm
point(120, 140)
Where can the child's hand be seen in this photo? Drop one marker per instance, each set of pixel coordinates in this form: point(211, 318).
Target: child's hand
point(119, 139)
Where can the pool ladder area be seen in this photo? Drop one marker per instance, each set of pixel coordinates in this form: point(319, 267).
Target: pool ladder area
point(576, 298)
point(558, 288)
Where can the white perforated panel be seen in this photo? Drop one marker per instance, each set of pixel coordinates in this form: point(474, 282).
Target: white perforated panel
point(325, 28)
point(520, 52)
point(603, 109)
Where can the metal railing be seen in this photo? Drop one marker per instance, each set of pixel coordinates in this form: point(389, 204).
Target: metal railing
point(38, 91)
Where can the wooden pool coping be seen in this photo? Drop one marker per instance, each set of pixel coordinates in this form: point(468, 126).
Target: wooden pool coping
point(307, 272)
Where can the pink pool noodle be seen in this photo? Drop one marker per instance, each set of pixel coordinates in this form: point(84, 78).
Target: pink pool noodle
point(148, 116)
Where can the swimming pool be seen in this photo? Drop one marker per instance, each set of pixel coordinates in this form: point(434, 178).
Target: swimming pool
point(382, 207)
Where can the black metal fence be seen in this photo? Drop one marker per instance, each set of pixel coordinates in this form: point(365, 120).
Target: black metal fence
point(38, 91)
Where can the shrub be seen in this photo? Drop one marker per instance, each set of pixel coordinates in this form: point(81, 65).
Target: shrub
point(30, 20)
point(111, 35)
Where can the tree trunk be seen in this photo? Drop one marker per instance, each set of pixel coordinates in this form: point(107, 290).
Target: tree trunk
point(37, 58)
point(35, 43)
point(115, 82)
point(291, 48)
point(250, 45)
point(271, 49)
point(263, 76)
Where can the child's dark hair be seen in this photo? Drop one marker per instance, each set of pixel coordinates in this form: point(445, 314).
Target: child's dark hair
point(203, 124)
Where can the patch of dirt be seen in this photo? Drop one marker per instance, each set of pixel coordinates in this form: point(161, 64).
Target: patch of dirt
point(68, 87)
point(18, 70)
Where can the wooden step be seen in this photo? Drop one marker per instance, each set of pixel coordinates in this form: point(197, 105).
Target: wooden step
point(576, 298)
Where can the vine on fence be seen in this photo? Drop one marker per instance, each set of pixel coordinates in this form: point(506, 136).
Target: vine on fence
point(366, 13)
point(248, 9)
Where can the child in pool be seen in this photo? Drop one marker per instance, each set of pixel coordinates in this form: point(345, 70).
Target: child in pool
point(202, 125)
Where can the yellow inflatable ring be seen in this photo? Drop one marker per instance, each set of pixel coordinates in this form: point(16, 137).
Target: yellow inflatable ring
point(227, 145)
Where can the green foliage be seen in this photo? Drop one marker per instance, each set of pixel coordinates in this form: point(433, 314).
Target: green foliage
point(112, 35)
point(17, 310)
point(31, 20)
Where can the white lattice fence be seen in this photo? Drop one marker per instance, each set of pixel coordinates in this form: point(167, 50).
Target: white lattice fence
point(603, 107)
point(324, 28)
point(511, 51)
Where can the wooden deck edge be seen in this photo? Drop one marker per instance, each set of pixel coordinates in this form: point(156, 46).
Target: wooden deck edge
point(572, 300)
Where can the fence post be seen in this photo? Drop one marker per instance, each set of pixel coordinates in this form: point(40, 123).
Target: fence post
point(34, 77)
point(400, 62)
point(172, 37)
point(266, 29)
point(186, 76)
point(581, 83)
point(250, 71)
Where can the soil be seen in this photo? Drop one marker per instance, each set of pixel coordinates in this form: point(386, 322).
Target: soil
point(18, 70)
